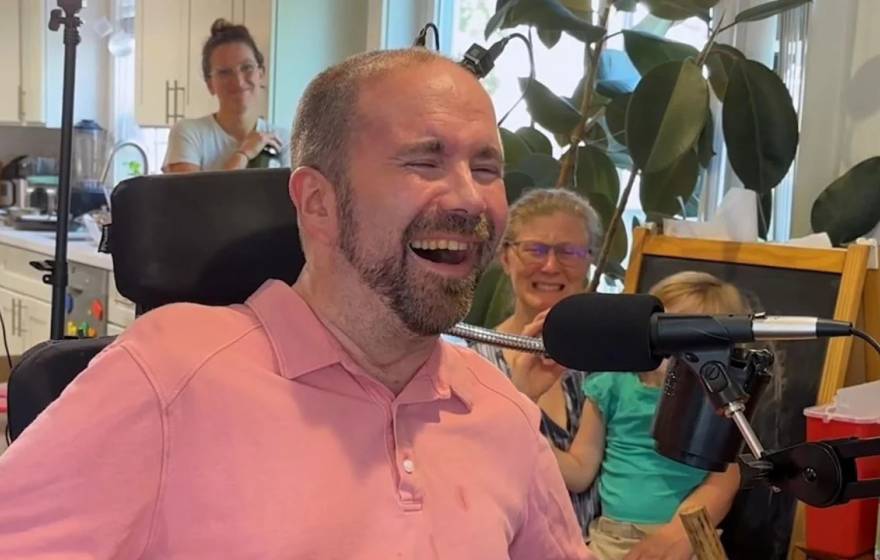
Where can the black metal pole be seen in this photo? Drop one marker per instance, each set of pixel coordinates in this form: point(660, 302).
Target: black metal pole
point(59, 273)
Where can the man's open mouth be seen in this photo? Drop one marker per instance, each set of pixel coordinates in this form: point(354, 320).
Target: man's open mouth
point(443, 251)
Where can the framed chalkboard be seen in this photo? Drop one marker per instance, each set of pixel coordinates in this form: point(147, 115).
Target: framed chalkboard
point(778, 280)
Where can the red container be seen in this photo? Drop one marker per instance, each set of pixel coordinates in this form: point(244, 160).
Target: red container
point(847, 530)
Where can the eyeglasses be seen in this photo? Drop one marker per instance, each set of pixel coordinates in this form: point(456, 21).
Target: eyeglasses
point(535, 252)
point(247, 70)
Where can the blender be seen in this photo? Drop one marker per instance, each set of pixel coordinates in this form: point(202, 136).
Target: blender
point(91, 146)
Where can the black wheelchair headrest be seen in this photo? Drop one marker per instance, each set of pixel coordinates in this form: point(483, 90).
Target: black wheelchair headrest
point(207, 237)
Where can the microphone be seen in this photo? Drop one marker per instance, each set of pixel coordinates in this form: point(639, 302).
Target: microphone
point(631, 332)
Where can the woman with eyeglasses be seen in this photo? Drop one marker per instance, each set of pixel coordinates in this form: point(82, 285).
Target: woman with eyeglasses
point(547, 251)
point(235, 136)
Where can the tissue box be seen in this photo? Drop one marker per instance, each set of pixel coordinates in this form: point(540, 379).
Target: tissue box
point(846, 530)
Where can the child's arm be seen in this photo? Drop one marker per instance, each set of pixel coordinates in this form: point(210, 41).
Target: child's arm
point(580, 464)
point(716, 494)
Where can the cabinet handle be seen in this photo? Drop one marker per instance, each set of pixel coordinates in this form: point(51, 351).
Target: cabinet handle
point(20, 330)
point(167, 93)
point(15, 328)
point(12, 318)
point(183, 96)
point(21, 114)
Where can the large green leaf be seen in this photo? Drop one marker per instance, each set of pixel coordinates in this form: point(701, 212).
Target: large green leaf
point(850, 206)
point(492, 296)
point(680, 9)
point(548, 109)
point(706, 143)
point(766, 10)
point(548, 15)
point(625, 5)
point(660, 191)
point(516, 183)
point(549, 37)
point(666, 114)
point(596, 174)
point(649, 51)
point(515, 150)
point(760, 126)
point(615, 118)
point(543, 169)
point(619, 245)
point(719, 61)
point(498, 18)
point(535, 140)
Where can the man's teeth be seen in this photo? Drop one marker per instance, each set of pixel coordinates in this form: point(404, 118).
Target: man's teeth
point(445, 244)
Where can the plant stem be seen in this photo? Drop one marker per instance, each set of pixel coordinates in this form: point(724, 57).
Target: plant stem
point(566, 173)
point(612, 231)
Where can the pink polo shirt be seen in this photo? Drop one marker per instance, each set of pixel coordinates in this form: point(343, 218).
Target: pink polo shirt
point(247, 432)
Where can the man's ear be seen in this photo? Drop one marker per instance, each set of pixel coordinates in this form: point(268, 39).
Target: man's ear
point(315, 201)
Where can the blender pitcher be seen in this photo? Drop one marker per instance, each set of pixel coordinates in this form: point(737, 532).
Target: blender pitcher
point(90, 147)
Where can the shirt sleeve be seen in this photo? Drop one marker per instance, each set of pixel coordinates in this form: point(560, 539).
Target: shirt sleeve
point(550, 530)
point(599, 388)
point(82, 481)
point(183, 146)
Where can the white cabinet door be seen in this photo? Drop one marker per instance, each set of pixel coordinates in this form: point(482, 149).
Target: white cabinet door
point(257, 16)
point(33, 51)
point(114, 330)
point(160, 36)
point(202, 13)
point(35, 319)
point(9, 308)
point(10, 60)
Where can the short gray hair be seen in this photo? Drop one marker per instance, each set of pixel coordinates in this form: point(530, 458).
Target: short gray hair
point(543, 202)
point(327, 111)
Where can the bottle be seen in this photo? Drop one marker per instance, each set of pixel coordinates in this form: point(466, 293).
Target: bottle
point(268, 157)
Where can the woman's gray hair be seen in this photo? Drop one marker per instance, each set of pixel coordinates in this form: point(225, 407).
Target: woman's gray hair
point(543, 202)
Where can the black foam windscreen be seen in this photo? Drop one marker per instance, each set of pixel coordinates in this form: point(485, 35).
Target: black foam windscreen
point(602, 332)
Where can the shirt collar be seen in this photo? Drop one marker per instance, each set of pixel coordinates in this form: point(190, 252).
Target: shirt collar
point(302, 344)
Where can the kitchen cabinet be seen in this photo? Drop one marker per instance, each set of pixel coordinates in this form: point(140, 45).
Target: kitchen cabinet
point(9, 310)
point(34, 318)
point(160, 34)
point(170, 35)
point(22, 42)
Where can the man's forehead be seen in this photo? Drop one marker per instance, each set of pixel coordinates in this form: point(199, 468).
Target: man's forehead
point(424, 89)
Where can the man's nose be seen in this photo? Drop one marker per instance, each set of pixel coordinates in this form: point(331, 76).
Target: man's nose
point(465, 193)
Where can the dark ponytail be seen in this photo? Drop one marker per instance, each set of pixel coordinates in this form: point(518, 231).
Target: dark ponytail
point(223, 32)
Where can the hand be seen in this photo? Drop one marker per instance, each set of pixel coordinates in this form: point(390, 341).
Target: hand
point(255, 141)
point(534, 374)
point(670, 542)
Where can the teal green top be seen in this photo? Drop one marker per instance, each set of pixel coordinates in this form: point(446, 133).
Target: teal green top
point(636, 484)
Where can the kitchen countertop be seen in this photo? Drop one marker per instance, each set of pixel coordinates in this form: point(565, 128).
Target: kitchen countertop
point(80, 248)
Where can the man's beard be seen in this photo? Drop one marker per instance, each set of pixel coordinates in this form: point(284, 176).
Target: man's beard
point(426, 303)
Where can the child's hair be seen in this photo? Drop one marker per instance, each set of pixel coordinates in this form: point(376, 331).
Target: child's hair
point(547, 201)
point(223, 32)
point(700, 292)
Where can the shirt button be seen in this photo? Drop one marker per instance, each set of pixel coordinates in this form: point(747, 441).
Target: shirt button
point(409, 466)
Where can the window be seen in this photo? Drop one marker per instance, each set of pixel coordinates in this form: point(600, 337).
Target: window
point(561, 68)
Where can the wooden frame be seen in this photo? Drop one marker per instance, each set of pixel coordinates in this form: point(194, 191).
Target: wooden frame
point(850, 263)
point(858, 300)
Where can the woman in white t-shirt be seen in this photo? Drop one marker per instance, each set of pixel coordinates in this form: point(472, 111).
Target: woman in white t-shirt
point(233, 136)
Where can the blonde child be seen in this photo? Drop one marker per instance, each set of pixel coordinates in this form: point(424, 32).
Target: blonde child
point(641, 491)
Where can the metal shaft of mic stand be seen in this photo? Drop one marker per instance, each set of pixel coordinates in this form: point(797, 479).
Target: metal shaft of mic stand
point(59, 270)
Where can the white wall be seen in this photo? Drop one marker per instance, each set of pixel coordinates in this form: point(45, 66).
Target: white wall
point(841, 117)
